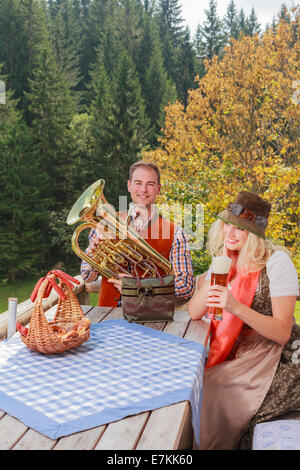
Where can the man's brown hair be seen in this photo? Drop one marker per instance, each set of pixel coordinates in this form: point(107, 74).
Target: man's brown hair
point(148, 165)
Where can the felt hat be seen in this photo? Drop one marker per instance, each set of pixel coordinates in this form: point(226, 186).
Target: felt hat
point(248, 211)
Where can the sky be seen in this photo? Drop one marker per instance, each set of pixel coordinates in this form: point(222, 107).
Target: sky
point(193, 10)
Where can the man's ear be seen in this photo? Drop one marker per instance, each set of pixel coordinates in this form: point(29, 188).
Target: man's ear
point(128, 185)
point(158, 189)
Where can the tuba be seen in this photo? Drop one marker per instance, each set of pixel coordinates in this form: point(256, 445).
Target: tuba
point(121, 245)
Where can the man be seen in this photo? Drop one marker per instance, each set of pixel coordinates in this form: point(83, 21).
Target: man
point(164, 236)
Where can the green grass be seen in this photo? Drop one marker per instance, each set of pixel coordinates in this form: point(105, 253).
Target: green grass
point(94, 299)
point(21, 289)
point(297, 312)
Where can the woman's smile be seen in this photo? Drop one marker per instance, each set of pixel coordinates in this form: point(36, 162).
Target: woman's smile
point(230, 240)
point(234, 237)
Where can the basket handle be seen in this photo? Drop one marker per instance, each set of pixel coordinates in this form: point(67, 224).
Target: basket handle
point(64, 277)
point(43, 290)
point(51, 284)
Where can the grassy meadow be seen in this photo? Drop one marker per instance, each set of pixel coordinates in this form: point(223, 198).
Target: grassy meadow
point(21, 289)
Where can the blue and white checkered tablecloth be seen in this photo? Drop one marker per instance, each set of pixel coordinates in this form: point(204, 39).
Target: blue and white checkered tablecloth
point(123, 369)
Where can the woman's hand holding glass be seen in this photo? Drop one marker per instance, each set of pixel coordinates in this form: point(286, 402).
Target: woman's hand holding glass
point(221, 297)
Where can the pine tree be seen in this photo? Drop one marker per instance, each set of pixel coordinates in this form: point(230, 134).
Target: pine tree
point(129, 26)
point(130, 118)
point(110, 44)
point(159, 91)
point(252, 25)
point(231, 22)
point(186, 58)
point(102, 124)
point(149, 6)
point(66, 36)
point(242, 22)
point(81, 8)
point(213, 38)
point(22, 30)
point(98, 15)
point(119, 125)
point(175, 41)
point(157, 88)
point(12, 53)
point(170, 20)
point(149, 40)
point(273, 25)
point(22, 209)
point(51, 109)
point(200, 52)
point(170, 31)
point(284, 14)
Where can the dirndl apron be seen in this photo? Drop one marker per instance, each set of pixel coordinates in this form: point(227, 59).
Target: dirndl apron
point(235, 390)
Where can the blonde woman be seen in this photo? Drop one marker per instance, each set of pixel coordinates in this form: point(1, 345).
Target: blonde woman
point(252, 372)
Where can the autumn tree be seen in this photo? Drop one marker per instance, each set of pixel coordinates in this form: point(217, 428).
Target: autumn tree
point(240, 131)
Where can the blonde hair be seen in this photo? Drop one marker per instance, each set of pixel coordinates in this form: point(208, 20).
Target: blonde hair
point(254, 254)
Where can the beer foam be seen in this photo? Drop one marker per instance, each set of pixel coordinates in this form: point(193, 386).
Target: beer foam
point(220, 264)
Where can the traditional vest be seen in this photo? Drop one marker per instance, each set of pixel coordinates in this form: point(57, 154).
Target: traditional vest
point(262, 302)
point(159, 234)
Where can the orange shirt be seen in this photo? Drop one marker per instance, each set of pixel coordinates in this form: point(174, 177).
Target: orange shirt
point(109, 296)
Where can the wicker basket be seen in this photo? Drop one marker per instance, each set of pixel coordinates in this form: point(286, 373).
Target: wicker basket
point(41, 336)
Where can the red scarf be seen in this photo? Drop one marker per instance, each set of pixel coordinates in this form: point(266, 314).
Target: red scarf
point(224, 333)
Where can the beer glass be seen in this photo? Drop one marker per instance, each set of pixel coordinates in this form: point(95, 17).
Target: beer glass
point(219, 272)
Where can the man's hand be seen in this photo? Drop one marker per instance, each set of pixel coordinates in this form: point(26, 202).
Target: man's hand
point(118, 282)
point(100, 235)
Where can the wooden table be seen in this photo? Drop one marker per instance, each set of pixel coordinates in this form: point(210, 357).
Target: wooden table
point(165, 428)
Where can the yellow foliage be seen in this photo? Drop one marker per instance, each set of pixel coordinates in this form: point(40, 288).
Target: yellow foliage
point(240, 131)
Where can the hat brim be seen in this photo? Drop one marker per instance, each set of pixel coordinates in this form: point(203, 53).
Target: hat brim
point(240, 222)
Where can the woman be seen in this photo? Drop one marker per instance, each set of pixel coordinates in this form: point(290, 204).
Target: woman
point(252, 370)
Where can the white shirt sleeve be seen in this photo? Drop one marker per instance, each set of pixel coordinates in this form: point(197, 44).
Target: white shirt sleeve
point(282, 275)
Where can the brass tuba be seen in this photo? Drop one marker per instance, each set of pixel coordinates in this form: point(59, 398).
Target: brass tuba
point(121, 246)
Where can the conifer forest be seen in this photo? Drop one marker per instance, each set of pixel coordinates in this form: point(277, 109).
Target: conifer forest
point(91, 86)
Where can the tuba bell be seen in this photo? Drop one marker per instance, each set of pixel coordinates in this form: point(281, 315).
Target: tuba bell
point(121, 245)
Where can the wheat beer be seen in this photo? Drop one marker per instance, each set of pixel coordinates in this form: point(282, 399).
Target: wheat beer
point(219, 272)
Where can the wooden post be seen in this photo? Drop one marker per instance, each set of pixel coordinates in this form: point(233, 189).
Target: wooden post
point(83, 297)
point(12, 316)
